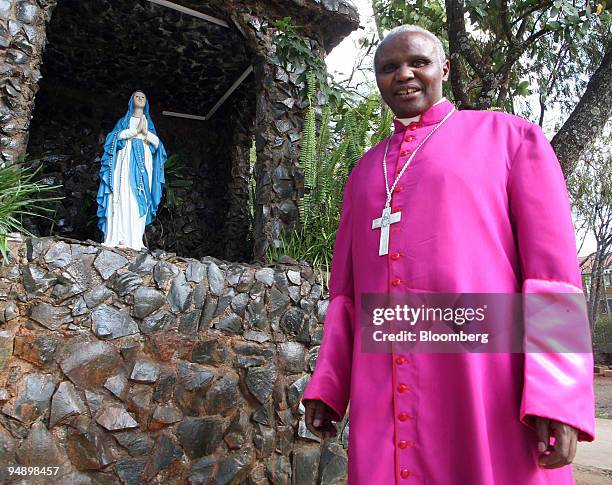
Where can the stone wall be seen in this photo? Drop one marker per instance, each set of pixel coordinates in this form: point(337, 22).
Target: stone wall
point(128, 367)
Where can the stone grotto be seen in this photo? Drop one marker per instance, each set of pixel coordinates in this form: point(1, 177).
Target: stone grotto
point(183, 364)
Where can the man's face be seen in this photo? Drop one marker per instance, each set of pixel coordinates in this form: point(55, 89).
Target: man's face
point(139, 99)
point(409, 74)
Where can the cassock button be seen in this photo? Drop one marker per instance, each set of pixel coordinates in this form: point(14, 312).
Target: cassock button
point(413, 126)
point(404, 416)
point(395, 256)
point(403, 444)
point(405, 473)
point(409, 138)
point(396, 282)
point(400, 360)
point(403, 153)
point(402, 388)
point(399, 188)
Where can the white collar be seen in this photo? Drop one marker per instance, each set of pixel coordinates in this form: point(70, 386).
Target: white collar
point(407, 121)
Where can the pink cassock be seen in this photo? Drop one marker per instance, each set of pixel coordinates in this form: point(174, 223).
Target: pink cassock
point(484, 210)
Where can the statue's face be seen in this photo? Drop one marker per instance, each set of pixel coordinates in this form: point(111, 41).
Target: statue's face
point(139, 99)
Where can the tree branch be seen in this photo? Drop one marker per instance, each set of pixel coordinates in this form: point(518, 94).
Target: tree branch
point(588, 119)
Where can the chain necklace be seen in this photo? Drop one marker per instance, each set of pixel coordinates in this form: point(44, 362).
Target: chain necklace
point(387, 218)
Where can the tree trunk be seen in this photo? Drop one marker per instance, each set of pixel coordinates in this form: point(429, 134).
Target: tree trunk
point(588, 119)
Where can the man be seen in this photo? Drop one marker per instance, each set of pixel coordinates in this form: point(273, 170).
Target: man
point(484, 209)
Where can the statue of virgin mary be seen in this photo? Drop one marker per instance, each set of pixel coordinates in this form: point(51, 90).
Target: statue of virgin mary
point(131, 176)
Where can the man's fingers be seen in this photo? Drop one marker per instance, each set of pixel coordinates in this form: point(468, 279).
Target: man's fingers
point(543, 433)
point(318, 414)
point(564, 450)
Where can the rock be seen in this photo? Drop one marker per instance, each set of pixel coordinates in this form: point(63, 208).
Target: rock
point(62, 292)
point(279, 470)
point(203, 470)
point(87, 447)
point(278, 301)
point(27, 12)
point(294, 277)
point(50, 316)
point(79, 307)
point(110, 323)
point(162, 320)
point(126, 283)
point(108, 262)
point(239, 303)
point(305, 465)
point(263, 439)
point(144, 263)
point(264, 414)
point(322, 310)
point(136, 443)
point(224, 396)
point(118, 385)
point(233, 274)
point(37, 349)
point(146, 301)
point(189, 322)
point(89, 364)
point(254, 336)
point(194, 377)
point(292, 321)
point(294, 293)
point(164, 388)
point(266, 276)
point(216, 279)
point(292, 357)
point(165, 452)
point(209, 352)
point(260, 381)
point(39, 448)
point(210, 309)
point(201, 436)
point(225, 301)
point(94, 401)
point(313, 353)
point(231, 324)
point(333, 464)
point(296, 390)
point(256, 314)
point(66, 403)
point(11, 311)
point(280, 281)
point(36, 280)
point(145, 371)
point(236, 467)
point(114, 418)
point(131, 470)
point(179, 296)
point(163, 273)
point(33, 398)
point(97, 295)
point(303, 432)
point(166, 415)
point(58, 255)
point(246, 280)
point(196, 271)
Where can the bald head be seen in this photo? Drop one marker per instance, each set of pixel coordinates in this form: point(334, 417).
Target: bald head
point(393, 33)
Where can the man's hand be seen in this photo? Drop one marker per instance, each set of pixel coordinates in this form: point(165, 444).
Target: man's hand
point(318, 419)
point(566, 438)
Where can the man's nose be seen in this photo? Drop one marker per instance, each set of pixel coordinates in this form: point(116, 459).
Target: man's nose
point(404, 72)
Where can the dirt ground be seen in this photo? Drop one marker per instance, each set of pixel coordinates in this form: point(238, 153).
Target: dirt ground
point(603, 406)
point(603, 397)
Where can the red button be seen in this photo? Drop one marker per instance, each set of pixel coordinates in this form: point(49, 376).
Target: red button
point(399, 188)
point(402, 388)
point(404, 416)
point(396, 282)
point(403, 153)
point(413, 126)
point(396, 208)
point(404, 444)
point(409, 138)
point(405, 473)
point(400, 360)
point(395, 256)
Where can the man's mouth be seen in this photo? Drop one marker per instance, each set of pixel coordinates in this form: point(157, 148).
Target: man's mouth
point(407, 91)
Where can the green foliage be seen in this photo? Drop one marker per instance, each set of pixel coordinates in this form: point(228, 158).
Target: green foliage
point(602, 332)
point(333, 139)
point(176, 181)
point(21, 195)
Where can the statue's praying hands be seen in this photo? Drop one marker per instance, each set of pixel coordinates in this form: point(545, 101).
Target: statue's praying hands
point(319, 418)
point(142, 126)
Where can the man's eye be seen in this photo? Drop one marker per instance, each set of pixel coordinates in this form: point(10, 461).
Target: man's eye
point(420, 63)
point(388, 68)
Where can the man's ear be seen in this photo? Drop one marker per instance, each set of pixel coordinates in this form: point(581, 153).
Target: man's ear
point(445, 70)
